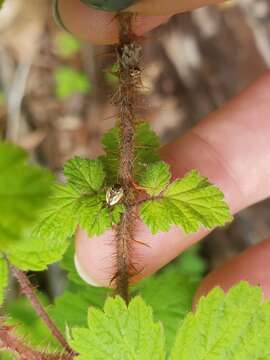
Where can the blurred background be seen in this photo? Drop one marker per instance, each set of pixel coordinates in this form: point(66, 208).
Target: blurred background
point(55, 92)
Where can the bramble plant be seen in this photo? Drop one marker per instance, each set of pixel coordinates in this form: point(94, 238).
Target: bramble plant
point(151, 320)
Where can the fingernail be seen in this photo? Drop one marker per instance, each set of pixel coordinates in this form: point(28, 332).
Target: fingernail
point(57, 17)
point(82, 273)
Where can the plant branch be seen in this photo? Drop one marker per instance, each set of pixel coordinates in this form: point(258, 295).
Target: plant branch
point(11, 342)
point(129, 56)
point(28, 290)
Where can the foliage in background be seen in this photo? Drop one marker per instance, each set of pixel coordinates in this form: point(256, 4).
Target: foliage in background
point(67, 45)
point(69, 82)
point(24, 319)
point(24, 190)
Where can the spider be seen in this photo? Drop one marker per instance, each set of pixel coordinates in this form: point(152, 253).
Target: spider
point(131, 55)
point(114, 194)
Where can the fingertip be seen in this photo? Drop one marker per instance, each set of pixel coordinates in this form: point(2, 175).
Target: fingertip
point(95, 256)
point(252, 266)
point(83, 273)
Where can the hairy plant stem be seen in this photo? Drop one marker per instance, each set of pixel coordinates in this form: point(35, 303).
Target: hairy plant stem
point(28, 290)
point(9, 341)
point(129, 55)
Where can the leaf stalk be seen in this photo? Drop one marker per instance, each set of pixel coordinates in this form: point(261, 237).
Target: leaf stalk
point(28, 290)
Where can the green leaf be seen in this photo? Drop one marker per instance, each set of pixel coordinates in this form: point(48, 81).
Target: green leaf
point(7, 355)
point(190, 202)
point(34, 253)
point(147, 145)
point(67, 45)
point(116, 213)
point(94, 217)
point(3, 278)
point(154, 214)
point(155, 178)
point(146, 151)
point(67, 209)
point(70, 309)
point(87, 176)
point(24, 189)
point(81, 202)
point(120, 333)
point(232, 326)
point(69, 82)
point(59, 218)
point(170, 294)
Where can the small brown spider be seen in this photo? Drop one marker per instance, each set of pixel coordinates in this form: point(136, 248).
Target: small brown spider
point(131, 55)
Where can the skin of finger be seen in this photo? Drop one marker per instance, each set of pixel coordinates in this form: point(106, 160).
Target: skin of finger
point(252, 265)
point(231, 147)
point(99, 27)
point(162, 7)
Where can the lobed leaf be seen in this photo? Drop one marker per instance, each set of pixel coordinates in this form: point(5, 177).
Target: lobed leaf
point(87, 176)
point(189, 202)
point(232, 326)
point(80, 202)
point(59, 219)
point(120, 332)
point(94, 217)
point(35, 254)
point(156, 178)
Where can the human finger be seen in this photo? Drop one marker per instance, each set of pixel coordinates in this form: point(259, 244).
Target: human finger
point(252, 265)
point(168, 7)
point(100, 27)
